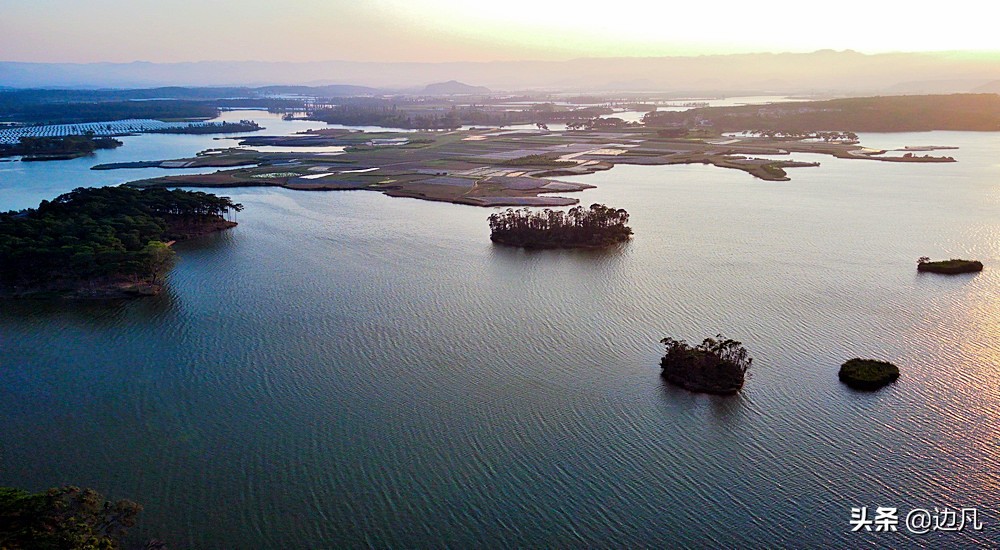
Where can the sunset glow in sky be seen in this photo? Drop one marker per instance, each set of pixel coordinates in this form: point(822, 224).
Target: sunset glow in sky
point(461, 30)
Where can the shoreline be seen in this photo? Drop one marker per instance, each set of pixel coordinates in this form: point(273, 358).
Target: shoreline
point(87, 290)
point(684, 383)
point(557, 246)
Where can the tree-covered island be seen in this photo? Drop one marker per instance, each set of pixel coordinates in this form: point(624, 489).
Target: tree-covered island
point(596, 227)
point(717, 365)
point(103, 242)
point(953, 266)
point(57, 148)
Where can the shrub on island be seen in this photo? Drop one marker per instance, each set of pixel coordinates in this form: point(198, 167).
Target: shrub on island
point(953, 266)
point(868, 374)
point(596, 227)
point(716, 366)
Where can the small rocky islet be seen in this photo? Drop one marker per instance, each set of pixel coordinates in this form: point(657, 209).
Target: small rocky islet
point(868, 374)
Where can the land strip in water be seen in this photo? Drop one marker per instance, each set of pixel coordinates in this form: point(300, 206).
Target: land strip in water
point(490, 166)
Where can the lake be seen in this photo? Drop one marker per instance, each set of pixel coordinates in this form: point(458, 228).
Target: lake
point(349, 369)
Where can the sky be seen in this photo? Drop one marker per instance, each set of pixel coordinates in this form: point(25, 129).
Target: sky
point(87, 31)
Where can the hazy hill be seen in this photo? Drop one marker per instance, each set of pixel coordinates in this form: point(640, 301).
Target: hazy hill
point(454, 87)
point(989, 88)
point(332, 90)
point(826, 71)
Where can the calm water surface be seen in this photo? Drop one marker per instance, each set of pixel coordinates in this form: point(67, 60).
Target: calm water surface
point(348, 369)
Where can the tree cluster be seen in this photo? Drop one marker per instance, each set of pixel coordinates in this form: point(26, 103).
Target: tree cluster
point(210, 128)
point(101, 234)
point(579, 227)
point(829, 137)
point(600, 123)
point(717, 365)
point(387, 115)
point(580, 113)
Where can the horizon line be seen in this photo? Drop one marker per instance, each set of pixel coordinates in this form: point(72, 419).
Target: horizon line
point(526, 60)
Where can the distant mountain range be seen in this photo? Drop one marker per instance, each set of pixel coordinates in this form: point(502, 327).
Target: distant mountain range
point(330, 90)
point(454, 87)
point(826, 71)
point(988, 88)
point(85, 95)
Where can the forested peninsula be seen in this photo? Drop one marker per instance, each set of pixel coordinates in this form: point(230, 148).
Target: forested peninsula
point(103, 242)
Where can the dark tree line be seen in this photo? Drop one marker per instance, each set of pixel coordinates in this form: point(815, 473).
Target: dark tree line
point(210, 128)
point(418, 114)
point(369, 113)
point(600, 123)
point(101, 202)
point(65, 145)
point(968, 112)
point(579, 227)
point(101, 234)
point(569, 115)
point(62, 113)
point(842, 137)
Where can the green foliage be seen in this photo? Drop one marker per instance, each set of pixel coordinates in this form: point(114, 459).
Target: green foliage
point(103, 233)
point(63, 518)
point(595, 227)
point(156, 258)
